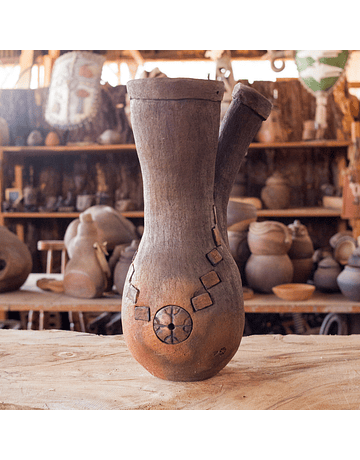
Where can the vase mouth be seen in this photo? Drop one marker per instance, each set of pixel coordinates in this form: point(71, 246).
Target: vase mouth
point(165, 88)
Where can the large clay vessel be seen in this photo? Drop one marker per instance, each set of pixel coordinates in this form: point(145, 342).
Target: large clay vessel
point(182, 305)
point(87, 273)
point(15, 261)
point(269, 263)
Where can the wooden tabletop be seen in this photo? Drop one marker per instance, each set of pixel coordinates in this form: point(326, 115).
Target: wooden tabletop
point(72, 370)
point(30, 297)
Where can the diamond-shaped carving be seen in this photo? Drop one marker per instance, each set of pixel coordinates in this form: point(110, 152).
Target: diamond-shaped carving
point(142, 313)
point(132, 293)
point(201, 301)
point(210, 279)
point(214, 256)
point(216, 236)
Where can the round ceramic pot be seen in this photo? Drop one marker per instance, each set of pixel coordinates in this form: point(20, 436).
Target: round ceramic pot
point(15, 261)
point(240, 215)
point(276, 194)
point(325, 277)
point(349, 282)
point(263, 272)
point(269, 238)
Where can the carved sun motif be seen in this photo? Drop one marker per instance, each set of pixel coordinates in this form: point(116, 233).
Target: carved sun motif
point(172, 324)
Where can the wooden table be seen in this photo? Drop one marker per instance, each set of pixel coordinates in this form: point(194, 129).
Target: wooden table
point(30, 297)
point(318, 303)
point(72, 370)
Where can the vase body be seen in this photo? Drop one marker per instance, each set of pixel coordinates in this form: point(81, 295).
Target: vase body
point(182, 304)
point(15, 261)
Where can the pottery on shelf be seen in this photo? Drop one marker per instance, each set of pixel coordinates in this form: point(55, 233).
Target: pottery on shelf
point(35, 138)
point(277, 193)
point(113, 228)
point(294, 291)
point(269, 264)
point(343, 244)
point(325, 276)
point(240, 215)
point(15, 261)
point(269, 237)
point(182, 304)
point(349, 278)
point(239, 249)
point(52, 139)
point(301, 252)
point(87, 272)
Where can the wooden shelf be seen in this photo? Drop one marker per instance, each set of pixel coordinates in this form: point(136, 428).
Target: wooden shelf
point(60, 215)
point(319, 303)
point(299, 212)
point(300, 144)
point(69, 149)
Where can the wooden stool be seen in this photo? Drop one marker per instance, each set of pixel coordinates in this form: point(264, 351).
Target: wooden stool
point(50, 246)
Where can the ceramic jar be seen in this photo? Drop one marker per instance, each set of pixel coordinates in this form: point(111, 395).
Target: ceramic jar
point(87, 272)
point(277, 193)
point(349, 279)
point(123, 264)
point(325, 276)
point(269, 264)
point(301, 252)
point(15, 261)
point(343, 244)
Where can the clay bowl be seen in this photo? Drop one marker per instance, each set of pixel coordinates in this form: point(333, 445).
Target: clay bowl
point(294, 291)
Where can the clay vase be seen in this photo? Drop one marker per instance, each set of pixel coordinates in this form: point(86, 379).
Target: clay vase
point(113, 228)
point(122, 266)
point(15, 261)
point(182, 304)
point(269, 264)
point(87, 272)
point(325, 276)
point(276, 194)
point(349, 279)
point(301, 252)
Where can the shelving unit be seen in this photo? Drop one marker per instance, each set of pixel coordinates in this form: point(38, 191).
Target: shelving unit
point(14, 155)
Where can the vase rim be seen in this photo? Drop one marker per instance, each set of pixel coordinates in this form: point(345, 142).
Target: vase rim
point(165, 88)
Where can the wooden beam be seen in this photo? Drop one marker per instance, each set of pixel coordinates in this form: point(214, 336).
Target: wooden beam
point(137, 57)
point(49, 60)
point(26, 62)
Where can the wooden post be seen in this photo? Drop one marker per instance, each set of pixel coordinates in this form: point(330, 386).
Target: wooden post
point(49, 61)
point(26, 63)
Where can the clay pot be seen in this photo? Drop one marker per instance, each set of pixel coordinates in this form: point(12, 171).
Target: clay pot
point(272, 129)
point(277, 193)
point(182, 305)
point(349, 279)
point(325, 276)
point(122, 266)
point(52, 139)
point(269, 238)
point(240, 215)
point(113, 228)
point(263, 272)
point(301, 252)
point(15, 261)
point(35, 138)
point(87, 272)
point(239, 249)
point(343, 245)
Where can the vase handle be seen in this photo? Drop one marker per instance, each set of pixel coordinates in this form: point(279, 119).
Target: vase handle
point(247, 111)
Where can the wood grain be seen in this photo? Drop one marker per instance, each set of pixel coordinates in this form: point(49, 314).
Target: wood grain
point(70, 370)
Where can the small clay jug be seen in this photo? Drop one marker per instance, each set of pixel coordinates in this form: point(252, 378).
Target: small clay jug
point(15, 261)
point(325, 276)
point(87, 272)
point(277, 193)
point(349, 279)
point(301, 252)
